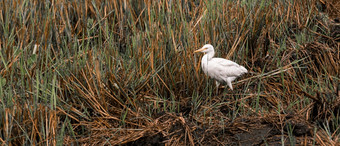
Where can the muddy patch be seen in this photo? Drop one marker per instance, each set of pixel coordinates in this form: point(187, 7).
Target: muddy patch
point(242, 131)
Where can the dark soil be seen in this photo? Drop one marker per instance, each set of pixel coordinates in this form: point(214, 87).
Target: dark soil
point(243, 131)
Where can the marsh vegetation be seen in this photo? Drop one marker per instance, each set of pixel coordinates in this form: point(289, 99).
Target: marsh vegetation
point(123, 72)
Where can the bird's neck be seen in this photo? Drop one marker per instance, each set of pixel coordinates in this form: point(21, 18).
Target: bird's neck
point(209, 55)
point(205, 59)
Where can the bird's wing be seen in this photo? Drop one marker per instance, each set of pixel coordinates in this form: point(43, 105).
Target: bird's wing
point(224, 62)
point(225, 68)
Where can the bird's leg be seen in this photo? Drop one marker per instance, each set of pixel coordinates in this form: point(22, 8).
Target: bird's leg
point(229, 84)
point(217, 85)
point(229, 80)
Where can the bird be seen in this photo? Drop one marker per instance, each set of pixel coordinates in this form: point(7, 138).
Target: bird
point(220, 69)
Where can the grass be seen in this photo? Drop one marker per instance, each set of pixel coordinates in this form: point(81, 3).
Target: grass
point(124, 72)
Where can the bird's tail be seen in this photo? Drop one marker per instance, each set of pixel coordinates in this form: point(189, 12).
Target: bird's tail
point(244, 70)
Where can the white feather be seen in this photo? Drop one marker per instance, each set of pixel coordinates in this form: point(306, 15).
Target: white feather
point(222, 70)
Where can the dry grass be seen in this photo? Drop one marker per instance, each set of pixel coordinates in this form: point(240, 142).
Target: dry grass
point(124, 72)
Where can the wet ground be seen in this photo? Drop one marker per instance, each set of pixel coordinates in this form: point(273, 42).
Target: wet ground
point(242, 131)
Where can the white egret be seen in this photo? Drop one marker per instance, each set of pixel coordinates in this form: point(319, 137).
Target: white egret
point(220, 69)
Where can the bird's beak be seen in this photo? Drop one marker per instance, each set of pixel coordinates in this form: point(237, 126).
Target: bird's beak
point(200, 50)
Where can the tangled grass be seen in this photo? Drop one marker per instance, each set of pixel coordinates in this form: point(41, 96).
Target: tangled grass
point(123, 72)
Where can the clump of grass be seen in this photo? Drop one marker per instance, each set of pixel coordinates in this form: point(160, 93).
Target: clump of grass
point(118, 72)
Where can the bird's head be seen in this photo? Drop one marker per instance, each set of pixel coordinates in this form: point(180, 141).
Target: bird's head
point(205, 49)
